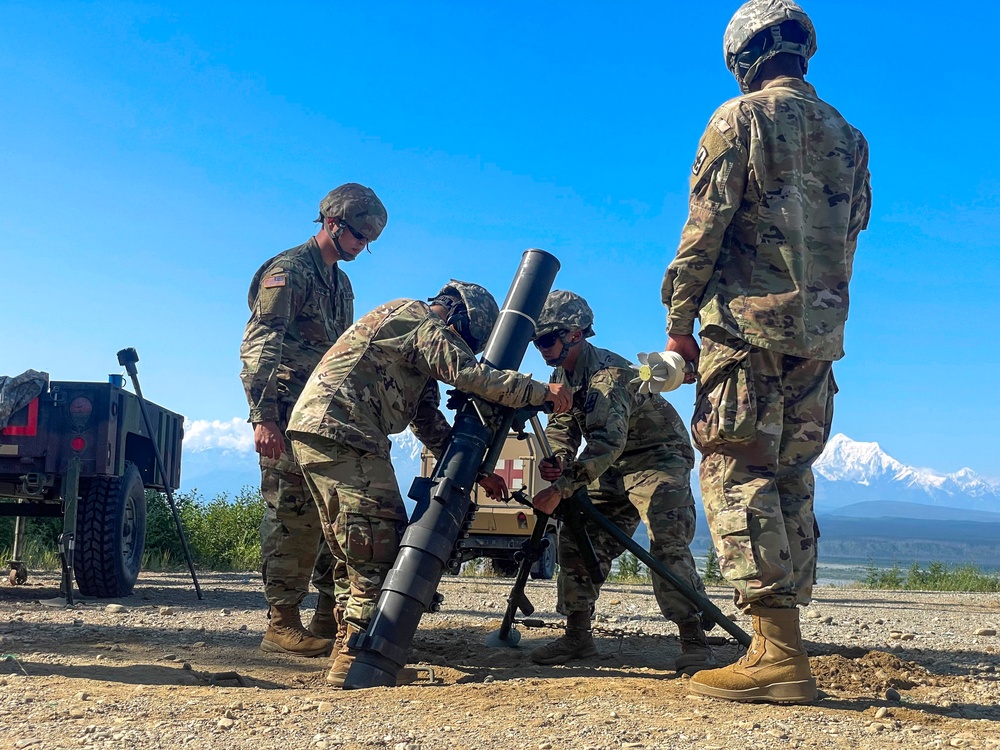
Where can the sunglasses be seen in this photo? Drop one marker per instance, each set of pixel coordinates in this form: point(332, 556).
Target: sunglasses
point(544, 342)
point(357, 235)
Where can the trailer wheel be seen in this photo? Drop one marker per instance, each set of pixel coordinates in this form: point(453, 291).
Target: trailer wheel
point(545, 568)
point(111, 534)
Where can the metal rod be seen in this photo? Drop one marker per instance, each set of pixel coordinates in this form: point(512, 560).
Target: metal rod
point(127, 358)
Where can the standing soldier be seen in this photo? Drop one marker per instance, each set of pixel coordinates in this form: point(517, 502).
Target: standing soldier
point(300, 303)
point(637, 464)
point(381, 376)
point(779, 193)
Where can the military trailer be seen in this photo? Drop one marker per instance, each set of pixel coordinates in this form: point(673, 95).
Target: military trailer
point(81, 451)
point(500, 529)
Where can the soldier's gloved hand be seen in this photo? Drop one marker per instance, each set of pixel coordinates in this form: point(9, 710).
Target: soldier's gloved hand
point(268, 440)
point(687, 347)
point(560, 396)
point(494, 486)
point(547, 500)
point(550, 468)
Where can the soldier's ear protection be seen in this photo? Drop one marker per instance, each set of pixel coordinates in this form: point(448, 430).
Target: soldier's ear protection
point(457, 316)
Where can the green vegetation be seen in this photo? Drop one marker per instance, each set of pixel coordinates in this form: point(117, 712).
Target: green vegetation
point(629, 570)
point(223, 533)
point(713, 573)
point(937, 577)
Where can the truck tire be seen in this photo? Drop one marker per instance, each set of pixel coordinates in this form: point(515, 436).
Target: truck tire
point(110, 534)
point(545, 568)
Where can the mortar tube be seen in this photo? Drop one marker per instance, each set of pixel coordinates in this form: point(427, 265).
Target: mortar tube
point(444, 503)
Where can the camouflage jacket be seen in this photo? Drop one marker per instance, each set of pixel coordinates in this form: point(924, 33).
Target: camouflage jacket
point(626, 431)
point(779, 193)
point(298, 308)
point(380, 376)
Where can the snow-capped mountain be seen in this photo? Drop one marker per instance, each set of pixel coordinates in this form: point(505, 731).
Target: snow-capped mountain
point(850, 472)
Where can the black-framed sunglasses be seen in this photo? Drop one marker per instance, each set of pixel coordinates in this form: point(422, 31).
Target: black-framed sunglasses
point(544, 342)
point(357, 235)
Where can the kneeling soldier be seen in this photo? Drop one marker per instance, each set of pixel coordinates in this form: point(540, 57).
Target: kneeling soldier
point(636, 464)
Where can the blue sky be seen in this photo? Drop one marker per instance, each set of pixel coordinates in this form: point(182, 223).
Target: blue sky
point(154, 155)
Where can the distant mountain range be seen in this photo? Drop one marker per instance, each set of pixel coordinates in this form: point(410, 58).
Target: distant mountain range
point(852, 476)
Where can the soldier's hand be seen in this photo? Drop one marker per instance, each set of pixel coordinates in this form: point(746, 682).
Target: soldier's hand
point(687, 347)
point(547, 500)
point(268, 440)
point(560, 396)
point(550, 468)
point(494, 486)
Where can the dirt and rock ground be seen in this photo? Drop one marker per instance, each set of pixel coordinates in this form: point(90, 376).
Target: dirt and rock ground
point(161, 669)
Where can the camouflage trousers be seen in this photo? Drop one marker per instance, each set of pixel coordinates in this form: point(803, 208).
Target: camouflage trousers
point(292, 546)
point(361, 512)
point(760, 420)
point(663, 501)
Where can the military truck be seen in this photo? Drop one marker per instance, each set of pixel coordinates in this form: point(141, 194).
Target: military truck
point(500, 529)
point(87, 441)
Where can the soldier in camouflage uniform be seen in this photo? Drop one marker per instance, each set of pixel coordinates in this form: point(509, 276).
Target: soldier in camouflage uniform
point(779, 193)
point(381, 376)
point(300, 302)
point(637, 465)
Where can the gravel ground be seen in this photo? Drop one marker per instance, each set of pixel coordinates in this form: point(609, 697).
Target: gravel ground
point(161, 669)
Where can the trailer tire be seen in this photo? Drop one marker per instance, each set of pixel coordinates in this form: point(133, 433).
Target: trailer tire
point(545, 568)
point(111, 534)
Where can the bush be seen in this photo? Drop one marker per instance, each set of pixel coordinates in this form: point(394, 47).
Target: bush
point(713, 573)
point(223, 533)
point(629, 570)
point(937, 577)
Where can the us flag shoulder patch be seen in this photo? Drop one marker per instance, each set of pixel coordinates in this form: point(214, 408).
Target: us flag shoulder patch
point(274, 281)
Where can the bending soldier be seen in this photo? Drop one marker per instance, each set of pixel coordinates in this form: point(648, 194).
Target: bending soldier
point(300, 303)
point(637, 465)
point(381, 376)
point(779, 193)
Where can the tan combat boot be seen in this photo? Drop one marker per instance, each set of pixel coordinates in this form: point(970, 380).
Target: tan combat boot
point(696, 654)
point(324, 621)
point(286, 635)
point(774, 669)
point(578, 643)
point(342, 660)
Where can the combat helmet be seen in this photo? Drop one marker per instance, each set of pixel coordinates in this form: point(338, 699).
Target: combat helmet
point(474, 317)
point(358, 207)
point(565, 311)
point(744, 59)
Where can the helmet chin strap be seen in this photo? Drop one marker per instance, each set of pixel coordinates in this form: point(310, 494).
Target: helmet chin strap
point(335, 236)
point(565, 351)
